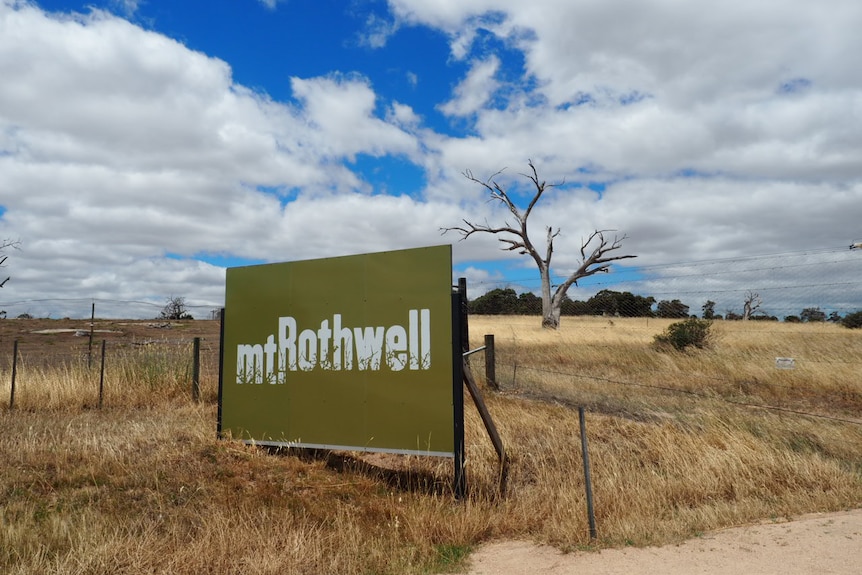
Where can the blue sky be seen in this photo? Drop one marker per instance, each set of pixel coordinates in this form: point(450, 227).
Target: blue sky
point(146, 145)
point(306, 38)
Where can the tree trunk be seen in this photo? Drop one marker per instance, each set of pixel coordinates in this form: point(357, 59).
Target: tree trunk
point(550, 307)
point(551, 320)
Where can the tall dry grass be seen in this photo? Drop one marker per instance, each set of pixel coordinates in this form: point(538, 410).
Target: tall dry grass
point(145, 375)
point(680, 443)
point(611, 364)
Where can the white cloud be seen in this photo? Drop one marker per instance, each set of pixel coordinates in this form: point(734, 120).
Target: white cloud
point(481, 281)
point(403, 115)
point(659, 47)
point(475, 90)
point(377, 31)
point(127, 7)
point(634, 87)
point(341, 114)
point(443, 14)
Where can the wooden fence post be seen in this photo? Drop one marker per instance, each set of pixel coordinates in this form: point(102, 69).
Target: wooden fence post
point(490, 427)
point(490, 363)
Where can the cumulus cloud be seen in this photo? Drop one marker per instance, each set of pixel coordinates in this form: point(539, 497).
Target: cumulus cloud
point(475, 90)
point(341, 113)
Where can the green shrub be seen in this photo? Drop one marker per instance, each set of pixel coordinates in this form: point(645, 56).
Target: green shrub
point(852, 320)
point(682, 334)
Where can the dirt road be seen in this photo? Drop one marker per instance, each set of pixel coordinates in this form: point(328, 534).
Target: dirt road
point(821, 544)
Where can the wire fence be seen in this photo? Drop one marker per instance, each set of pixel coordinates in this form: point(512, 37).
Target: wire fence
point(74, 371)
point(611, 366)
point(693, 395)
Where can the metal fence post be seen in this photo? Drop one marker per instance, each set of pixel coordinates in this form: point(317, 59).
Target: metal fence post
point(459, 331)
point(196, 371)
point(102, 378)
point(465, 327)
point(14, 372)
point(90, 345)
point(587, 476)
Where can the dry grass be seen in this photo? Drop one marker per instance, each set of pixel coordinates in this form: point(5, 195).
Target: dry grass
point(612, 366)
point(134, 376)
point(143, 486)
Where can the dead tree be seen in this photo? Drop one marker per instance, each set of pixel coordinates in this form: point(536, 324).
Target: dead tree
point(3, 245)
point(175, 309)
point(751, 304)
point(595, 251)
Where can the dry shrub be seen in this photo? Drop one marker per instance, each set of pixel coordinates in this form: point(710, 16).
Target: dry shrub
point(681, 335)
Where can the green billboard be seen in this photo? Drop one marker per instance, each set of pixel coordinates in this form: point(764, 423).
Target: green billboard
point(350, 352)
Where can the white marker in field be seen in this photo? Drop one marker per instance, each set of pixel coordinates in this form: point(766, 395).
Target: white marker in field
point(785, 363)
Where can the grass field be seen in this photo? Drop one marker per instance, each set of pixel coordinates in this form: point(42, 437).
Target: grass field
point(680, 443)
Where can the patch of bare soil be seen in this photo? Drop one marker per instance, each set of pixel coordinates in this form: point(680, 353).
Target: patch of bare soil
point(55, 341)
point(821, 544)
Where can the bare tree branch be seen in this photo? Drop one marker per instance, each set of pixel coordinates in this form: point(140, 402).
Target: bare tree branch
point(7, 243)
point(595, 251)
point(751, 304)
point(522, 241)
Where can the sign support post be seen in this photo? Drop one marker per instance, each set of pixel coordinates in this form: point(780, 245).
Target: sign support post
point(221, 374)
point(458, 323)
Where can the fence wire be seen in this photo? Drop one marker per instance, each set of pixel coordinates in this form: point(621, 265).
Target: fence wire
point(79, 373)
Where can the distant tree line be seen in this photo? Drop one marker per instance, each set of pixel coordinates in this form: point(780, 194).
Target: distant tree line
point(606, 302)
point(505, 301)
